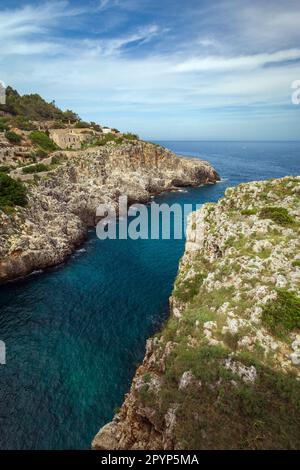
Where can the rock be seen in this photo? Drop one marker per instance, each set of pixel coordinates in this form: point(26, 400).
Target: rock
point(242, 260)
point(295, 358)
point(63, 205)
point(247, 374)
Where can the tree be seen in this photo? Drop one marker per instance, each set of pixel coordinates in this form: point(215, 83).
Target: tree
point(12, 192)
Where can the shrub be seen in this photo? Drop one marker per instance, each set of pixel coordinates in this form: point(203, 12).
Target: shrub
point(82, 125)
point(3, 124)
point(38, 168)
point(34, 107)
point(187, 289)
point(282, 314)
point(4, 168)
point(110, 137)
point(12, 192)
point(13, 137)
point(40, 153)
point(96, 127)
point(21, 122)
point(42, 140)
point(248, 211)
point(58, 125)
point(280, 215)
point(57, 159)
point(296, 264)
point(129, 136)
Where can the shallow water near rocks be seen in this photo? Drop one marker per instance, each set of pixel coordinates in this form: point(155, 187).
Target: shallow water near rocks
point(74, 334)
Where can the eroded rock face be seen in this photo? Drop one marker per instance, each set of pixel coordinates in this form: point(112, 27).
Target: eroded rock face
point(62, 204)
point(224, 372)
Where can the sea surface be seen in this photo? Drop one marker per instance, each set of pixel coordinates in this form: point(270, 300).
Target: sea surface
point(74, 334)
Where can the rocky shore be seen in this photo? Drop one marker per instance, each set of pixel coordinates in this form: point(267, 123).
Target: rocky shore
point(224, 373)
point(62, 203)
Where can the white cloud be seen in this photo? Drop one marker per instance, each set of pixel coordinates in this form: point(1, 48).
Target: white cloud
point(215, 63)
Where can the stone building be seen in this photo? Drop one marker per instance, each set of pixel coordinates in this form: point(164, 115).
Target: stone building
point(71, 138)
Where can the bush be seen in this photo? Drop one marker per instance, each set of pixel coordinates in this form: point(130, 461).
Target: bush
point(3, 125)
point(34, 107)
point(13, 137)
point(21, 122)
point(282, 314)
point(42, 140)
point(58, 125)
point(4, 168)
point(82, 125)
point(296, 264)
point(38, 168)
point(280, 215)
point(12, 192)
point(40, 153)
point(248, 211)
point(110, 137)
point(57, 159)
point(130, 136)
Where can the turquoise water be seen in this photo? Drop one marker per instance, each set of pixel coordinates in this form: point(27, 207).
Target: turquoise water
point(74, 334)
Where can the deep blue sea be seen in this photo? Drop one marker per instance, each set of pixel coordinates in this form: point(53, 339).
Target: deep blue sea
point(74, 334)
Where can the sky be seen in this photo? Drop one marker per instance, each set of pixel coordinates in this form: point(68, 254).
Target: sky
point(165, 69)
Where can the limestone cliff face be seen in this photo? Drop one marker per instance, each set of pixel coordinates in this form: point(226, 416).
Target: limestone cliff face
point(225, 370)
point(62, 203)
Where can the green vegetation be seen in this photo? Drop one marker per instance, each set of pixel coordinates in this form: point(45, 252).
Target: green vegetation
point(13, 137)
point(58, 125)
point(5, 168)
point(187, 289)
point(12, 192)
point(58, 159)
point(249, 211)
point(282, 314)
point(33, 107)
point(40, 153)
point(82, 125)
point(42, 140)
point(3, 124)
point(280, 215)
point(146, 395)
point(21, 122)
point(296, 264)
point(130, 136)
point(110, 137)
point(38, 168)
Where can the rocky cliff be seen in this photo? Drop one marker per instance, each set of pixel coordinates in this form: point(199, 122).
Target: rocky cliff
point(224, 372)
point(62, 203)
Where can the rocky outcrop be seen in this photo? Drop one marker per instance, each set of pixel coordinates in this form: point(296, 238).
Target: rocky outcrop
point(224, 373)
point(62, 203)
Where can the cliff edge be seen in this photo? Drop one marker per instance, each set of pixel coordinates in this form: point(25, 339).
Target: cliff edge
point(62, 202)
point(224, 373)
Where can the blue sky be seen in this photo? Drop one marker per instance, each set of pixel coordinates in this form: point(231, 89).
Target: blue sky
point(166, 69)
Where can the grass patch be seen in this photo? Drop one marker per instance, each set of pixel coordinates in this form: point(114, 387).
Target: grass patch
point(42, 140)
point(279, 215)
point(58, 159)
point(38, 168)
point(187, 289)
point(13, 137)
point(249, 211)
point(282, 314)
point(5, 168)
point(110, 137)
point(12, 193)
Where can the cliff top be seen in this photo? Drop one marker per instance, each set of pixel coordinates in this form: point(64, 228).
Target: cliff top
point(224, 372)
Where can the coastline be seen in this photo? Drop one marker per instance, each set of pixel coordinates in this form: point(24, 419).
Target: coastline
point(62, 206)
point(217, 345)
